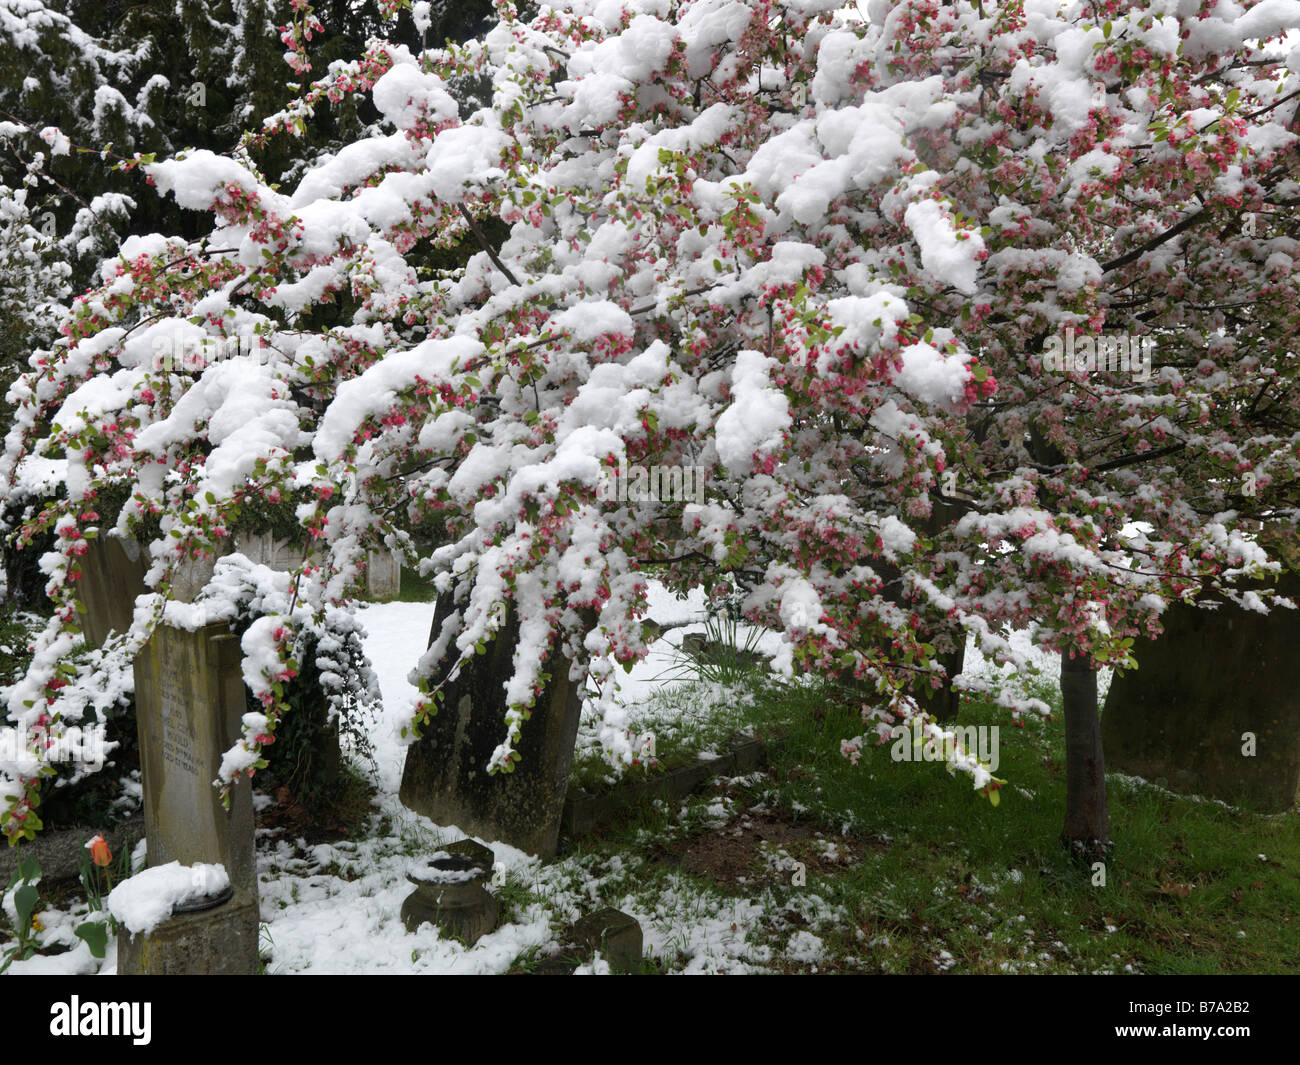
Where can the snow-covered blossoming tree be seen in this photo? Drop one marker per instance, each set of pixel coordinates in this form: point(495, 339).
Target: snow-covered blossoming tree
point(33, 277)
point(1135, 168)
point(817, 257)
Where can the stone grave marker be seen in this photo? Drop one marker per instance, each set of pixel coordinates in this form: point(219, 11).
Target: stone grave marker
point(112, 575)
point(451, 892)
point(190, 699)
point(1214, 707)
point(446, 776)
point(383, 576)
point(615, 935)
point(113, 571)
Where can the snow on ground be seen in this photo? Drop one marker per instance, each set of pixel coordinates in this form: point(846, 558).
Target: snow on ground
point(397, 634)
point(337, 909)
point(334, 908)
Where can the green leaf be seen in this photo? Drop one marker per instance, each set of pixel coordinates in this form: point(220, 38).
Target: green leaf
point(1105, 30)
point(994, 797)
point(25, 900)
point(95, 935)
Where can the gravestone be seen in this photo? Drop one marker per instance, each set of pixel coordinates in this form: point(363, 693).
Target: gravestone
point(383, 576)
point(1209, 680)
point(190, 700)
point(614, 935)
point(446, 776)
point(113, 571)
point(383, 568)
point(112, 575)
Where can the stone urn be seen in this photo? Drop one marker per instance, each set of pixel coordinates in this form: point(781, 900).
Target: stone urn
point(451, 893)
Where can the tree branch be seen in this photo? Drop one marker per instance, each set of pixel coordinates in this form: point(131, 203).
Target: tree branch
point(484, 243)
point(1154, 242)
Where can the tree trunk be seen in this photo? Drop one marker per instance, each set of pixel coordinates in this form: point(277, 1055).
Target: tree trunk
point(1087, 816)
point(945, 702)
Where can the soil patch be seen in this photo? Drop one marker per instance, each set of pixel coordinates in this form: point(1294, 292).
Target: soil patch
point(760, 848)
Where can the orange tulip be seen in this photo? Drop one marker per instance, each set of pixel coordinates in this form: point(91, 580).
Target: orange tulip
point(99, 852)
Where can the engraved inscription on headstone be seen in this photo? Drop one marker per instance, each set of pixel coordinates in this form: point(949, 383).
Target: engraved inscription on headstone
point(189, 701)
point(176, 695)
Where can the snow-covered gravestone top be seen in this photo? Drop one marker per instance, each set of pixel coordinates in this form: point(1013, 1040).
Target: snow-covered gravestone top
point(190, 702)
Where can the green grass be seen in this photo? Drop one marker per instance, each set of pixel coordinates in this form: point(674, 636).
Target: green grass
point(936, 868)
point(414, 588)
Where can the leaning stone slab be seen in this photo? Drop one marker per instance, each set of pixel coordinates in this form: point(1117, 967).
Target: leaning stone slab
point(1208, 685)
point(190, 699)
point(612, 934)
point(446, 776)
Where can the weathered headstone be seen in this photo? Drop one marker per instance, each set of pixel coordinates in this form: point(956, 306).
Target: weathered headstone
point(614, 935)
point(583, 812)
point(190, 699)
point(383, 576)
point(113, 571)
point(112, 575)
point(446, 776)
point(1214, 707)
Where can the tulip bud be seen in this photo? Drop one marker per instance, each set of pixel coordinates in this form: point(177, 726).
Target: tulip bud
point(99, 852)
